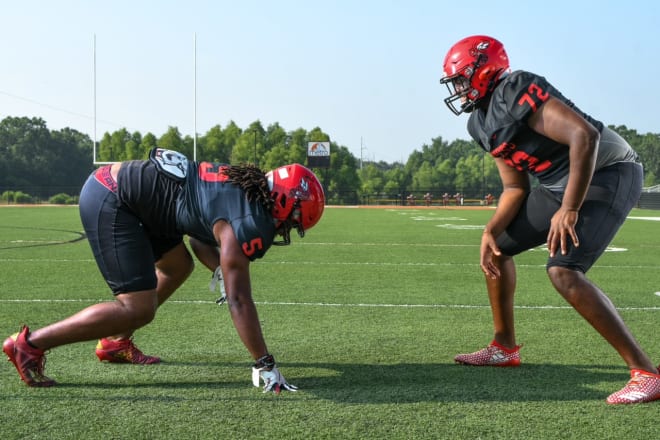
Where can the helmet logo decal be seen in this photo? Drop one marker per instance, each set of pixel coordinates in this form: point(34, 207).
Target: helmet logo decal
point(304, 185)
point(301, 192)
point(483, 46)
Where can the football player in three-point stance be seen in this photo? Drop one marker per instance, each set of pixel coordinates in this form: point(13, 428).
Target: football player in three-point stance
point(590, 178)
point(135, 214)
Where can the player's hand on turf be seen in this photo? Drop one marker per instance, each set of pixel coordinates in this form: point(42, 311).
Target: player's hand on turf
point(273, 380)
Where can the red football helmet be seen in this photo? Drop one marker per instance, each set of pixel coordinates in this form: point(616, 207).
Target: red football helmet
point(298, 196)
point(471, 68)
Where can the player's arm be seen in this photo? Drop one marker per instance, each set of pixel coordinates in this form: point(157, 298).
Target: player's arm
point(557, 121)
point(236, 274)
point(235, 271)
point(207, 254)
point(515, 186)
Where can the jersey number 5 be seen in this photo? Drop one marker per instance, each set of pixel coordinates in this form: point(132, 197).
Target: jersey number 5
point(253, 246)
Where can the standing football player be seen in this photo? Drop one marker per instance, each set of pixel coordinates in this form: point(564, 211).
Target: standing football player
point(590, 178)
point(135, 214)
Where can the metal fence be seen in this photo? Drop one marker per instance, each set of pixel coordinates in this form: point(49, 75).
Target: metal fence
point(650, 198)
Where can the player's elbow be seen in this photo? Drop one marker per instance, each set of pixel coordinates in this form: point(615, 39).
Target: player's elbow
point(586, 139)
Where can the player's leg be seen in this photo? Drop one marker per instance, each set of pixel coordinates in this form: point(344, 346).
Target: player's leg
point(502, 351)
point(124, 254)
point(26, 350)
point(613, 193)
point(595, 307)
point(128, 310)
point(527, 230)
point(172, 269)
point(501, 297)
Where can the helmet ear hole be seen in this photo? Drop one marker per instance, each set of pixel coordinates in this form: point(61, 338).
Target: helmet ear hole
point(485, 74)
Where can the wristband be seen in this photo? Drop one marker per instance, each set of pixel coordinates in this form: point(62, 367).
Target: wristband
point(266, 362)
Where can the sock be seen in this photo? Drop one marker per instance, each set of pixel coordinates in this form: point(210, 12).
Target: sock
point(27, 339)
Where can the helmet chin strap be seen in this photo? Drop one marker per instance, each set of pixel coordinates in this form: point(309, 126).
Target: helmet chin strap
point(285, 227)
point(285, 232)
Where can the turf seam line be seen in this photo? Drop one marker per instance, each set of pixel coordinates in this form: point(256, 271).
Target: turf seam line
point(322, 304)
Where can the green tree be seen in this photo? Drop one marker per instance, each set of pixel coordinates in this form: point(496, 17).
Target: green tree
point(172, 140)
point(297, 145)
point(213, 146)
point(132, 150)
point(149, 141)
point(73, 158)
point(372, 180)
point(24, 143)
point(341, 181)
point(40, 161)
point(231, 133)
point(118, 141)
point(33, 156)
point(424, 178)
point(648, 148)
point(276, 148)
point(104, 152)
point(249, 146)
point(395, 181)
point(446, 172)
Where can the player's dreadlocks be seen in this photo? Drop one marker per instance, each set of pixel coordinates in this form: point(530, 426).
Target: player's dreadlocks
point(253, 181)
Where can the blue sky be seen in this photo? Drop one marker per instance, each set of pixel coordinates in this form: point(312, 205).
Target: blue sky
point(364, 71)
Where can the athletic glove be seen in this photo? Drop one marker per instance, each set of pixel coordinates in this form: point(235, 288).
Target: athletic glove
point(217, 282)
point(265, 369)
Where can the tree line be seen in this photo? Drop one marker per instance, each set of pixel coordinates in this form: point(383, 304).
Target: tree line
point(44, 162)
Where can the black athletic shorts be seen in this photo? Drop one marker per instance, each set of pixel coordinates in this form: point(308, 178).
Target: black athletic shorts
point(124, 251)
point(613, 192)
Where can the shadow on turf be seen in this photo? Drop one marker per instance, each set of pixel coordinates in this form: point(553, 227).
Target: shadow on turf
point(410, 383)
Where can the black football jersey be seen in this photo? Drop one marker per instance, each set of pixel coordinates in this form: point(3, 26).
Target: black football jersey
point(502, 129)
point(150, 195)
point(169, 208)
point(206, 197)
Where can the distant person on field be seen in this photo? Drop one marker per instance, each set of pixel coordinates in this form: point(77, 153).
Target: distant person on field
point(590, 178)
point(445, 199)
point(135, 214)
point(411, 200)
point(428, 199)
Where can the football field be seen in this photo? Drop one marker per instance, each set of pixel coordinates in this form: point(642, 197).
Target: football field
point(364, 315)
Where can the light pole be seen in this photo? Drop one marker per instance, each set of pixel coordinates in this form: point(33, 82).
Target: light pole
point(483, 175)
point(255, 147)
point(362, 148)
